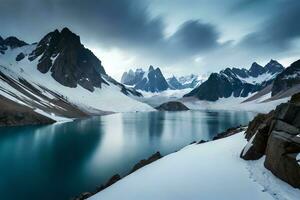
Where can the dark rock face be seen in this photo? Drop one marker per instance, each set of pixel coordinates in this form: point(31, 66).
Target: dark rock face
point(172, 106)
point(150, 81)
point(274, 67)
point(229, 82)
point(20, 56)
point(14, 42)
point(131, 77)
point(14, 114)
point(69, 62)
point(256, 70)
point(154, 81)
point(11, 42)
point(282, 149)
point(259, 144)
point(174, 83)
point(277, 135)
point(287, 79)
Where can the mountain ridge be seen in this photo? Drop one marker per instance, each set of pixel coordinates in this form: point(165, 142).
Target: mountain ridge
point(237, 82)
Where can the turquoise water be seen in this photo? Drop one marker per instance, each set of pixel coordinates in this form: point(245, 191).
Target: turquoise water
point(61, 161)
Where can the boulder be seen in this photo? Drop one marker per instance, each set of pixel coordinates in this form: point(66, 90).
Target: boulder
point(277, 136)
point(282, 150)
point(20, 56)
point(256, 146)
point(145, 162)
point(255, 124)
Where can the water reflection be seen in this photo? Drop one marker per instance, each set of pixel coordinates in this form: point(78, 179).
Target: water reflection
point(62, 160)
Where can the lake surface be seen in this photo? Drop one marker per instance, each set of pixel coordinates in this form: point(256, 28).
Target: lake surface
point(61, 161)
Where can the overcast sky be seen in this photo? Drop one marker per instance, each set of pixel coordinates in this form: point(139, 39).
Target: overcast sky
point(179, 36)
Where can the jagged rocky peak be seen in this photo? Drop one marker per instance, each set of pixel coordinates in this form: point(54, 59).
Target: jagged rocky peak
point(11, 42)
point(152, 81)
point(237, 82)
point(174, 83)
point(274, 67)
point(68, 61)
point(131, 77)
point(256, 70)
point(151, 68)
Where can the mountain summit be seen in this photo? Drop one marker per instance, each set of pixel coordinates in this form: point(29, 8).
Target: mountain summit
point(237, 82)
point(151, 81)
point(69, 62)
point(59, 78)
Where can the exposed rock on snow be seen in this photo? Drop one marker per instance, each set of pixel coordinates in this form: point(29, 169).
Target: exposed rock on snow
point(276, 137)
point(60, 78)
point(12, 113)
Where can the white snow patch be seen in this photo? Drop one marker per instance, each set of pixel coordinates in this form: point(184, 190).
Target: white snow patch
point(108, 98)
point(235, 103)
point(249, 144)
point(209, 171)
point(258, 80)
point(272, 185)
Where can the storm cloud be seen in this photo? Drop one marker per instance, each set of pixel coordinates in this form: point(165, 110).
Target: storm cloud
point(280, 30)
point(237, 32)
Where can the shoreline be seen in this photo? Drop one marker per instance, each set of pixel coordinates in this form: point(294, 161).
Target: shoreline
point(153, 158)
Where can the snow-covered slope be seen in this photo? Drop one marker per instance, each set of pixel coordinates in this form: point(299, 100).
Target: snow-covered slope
point(209, 171)
point(259, 104)
point(22, 82)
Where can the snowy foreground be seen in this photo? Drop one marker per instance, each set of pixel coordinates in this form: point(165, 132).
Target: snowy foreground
point(209, 171)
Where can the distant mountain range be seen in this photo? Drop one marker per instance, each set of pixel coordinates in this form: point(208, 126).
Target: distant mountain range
point(153, 80)
point(237, 82)
point(59, 77)
point(150, 81)
point(183, 82)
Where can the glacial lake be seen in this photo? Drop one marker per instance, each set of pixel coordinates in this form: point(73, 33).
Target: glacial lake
point(61, 161)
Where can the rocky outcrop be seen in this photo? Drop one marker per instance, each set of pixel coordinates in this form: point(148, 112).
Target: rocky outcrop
point(277, 136)
point(14, 114)
point(236, 82)
point(69, 62)
point(229, 132)
point(172, 106)
point(145, 162)
point(115, 178)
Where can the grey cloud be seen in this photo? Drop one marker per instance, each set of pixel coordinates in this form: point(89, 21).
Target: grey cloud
point(279, 31)
point(196, 36)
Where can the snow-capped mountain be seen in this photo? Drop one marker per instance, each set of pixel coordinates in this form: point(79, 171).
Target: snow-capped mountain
point(287, 83)
point(58, 76)
point(174, 83)
point(183, 82)
point(150, 81)
point(237, 82)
